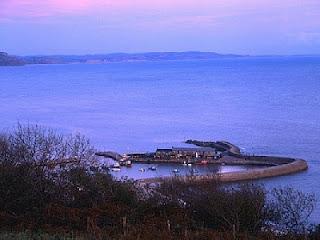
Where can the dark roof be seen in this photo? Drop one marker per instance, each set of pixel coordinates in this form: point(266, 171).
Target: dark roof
point(184, 149)
point(137, 154)
point(164, 150)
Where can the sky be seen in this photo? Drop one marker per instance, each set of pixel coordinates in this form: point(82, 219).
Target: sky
point(32, 27)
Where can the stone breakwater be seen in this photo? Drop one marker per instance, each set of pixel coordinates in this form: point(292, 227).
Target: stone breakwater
point(271, 166)
point(274, 171)
point(281, 166)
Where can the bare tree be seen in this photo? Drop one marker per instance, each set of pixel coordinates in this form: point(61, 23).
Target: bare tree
point(290, 210)
point(43, 146)
point(4, 148)
point(77, 146)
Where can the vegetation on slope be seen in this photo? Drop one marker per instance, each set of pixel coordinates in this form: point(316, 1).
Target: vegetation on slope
point(53, 184)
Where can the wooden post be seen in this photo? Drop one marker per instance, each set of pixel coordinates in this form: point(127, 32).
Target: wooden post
point(168, 225)
point(234, 231)
point(124, 226)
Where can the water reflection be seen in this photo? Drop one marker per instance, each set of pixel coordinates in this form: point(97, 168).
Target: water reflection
point(143, 171)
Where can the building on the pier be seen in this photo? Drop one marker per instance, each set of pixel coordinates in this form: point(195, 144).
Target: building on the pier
point(137, 156)
point(203, 153)
point(164, 154)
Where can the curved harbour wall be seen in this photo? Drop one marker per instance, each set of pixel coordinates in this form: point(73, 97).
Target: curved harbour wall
point(280, 170)
point(288, 166)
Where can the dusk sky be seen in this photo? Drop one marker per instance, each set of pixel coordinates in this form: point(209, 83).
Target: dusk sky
point(30, 27)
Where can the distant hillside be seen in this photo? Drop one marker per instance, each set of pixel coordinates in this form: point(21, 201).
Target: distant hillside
point(124, 57)
point(7, 60)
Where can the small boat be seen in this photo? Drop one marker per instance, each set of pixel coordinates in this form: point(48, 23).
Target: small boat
point(153, 168)
point(115, 169)
point(142, 170)
point(203, 162)
point(128, 163)
point(116, 165)
point(185, 163)
point(176, 170)
point(189, 165)
point(194, 171)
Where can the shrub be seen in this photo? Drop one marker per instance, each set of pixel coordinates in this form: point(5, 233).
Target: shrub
point(211, 205)
point(72, 195)
point(290, 209)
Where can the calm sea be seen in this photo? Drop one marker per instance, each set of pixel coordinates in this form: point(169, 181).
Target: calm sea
point(267, 105)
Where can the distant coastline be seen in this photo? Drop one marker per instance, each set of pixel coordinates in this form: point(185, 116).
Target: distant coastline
point(11, 60)
point(124, 57)
point(111, 58)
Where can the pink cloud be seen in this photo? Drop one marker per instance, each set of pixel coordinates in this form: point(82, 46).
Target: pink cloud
point(35, 8)
point(25, 8)
point(42, 8)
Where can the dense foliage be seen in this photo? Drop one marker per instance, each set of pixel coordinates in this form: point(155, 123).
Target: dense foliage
point(53, 183)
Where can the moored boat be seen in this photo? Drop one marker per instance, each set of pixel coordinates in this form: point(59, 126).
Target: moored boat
point(175, 171)
point(115, 169)
point(115, 165)
point(128, 163)
point(203, 162)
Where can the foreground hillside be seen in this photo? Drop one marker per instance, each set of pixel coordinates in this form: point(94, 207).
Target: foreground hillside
point(52, 187)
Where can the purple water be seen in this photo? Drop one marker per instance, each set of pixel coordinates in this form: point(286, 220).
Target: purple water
point(264, 105)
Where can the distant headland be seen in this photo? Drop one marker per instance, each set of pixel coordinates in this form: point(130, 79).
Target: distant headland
point(8, 60)
point(111, 58)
